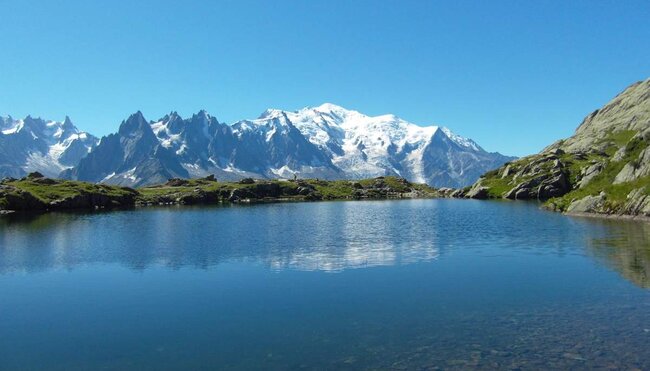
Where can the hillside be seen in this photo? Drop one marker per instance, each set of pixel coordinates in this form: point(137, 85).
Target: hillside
point(603, 168)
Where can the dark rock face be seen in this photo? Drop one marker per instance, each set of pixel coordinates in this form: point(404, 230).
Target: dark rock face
point(479, 193)
point(276, 146)
point(93, 201)
point(542, 187)
point(132, 156)
point(19, 200)
point(556, 186)
point(34, 175)
point(451, 165)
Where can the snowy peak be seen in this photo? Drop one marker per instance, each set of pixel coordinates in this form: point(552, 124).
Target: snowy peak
point(366, 146)
point(47, 146)
point(327, 141)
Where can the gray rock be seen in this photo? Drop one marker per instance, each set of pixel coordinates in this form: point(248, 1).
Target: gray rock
point(635, 169)
point(478, 192)
point(459, 193)
point(619, 155)
point(527, 190)
point(589, 173)
point(588, 204)
point(638, 203)
point(556, 186)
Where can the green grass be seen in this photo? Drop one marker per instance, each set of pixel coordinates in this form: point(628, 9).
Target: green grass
point(333, 190)
point(64, 189)
point(616, 194)
point(498, 185)
point(616, 140)
point(573, 166)
point(327, 189)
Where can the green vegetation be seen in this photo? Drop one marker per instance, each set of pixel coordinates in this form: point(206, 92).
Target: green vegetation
point(36, 192)
point(563, 171)
point(47, 192)
point(502, 180)
point(616, 194)
point(616, 140)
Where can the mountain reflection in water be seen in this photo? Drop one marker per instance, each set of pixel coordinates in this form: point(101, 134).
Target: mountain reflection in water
point(316, 237)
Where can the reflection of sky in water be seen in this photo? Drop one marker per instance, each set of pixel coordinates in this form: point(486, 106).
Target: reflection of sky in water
point(458, 285)
point(331, 236)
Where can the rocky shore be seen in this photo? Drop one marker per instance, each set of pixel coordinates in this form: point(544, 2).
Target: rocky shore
point(603, 169)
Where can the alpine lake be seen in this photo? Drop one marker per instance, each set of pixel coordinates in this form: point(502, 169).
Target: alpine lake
point(405, 284)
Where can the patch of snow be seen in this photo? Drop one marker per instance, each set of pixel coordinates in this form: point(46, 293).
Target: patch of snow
point(108, 177)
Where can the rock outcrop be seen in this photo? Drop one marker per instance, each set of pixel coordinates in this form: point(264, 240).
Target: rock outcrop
point(37, 193)
point(603, 168)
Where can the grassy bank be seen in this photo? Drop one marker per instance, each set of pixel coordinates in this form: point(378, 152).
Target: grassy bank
point(37, 193)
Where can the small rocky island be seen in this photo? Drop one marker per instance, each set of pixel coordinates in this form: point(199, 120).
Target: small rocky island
point(37, 193)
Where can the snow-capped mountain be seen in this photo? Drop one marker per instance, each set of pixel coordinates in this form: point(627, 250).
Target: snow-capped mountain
point(363, 146)
point(34, 144)
point(327, 142)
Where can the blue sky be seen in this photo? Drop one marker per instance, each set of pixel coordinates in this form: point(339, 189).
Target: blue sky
point(513, 75)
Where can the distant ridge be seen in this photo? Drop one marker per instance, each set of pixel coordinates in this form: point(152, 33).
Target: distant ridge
point(327, 142)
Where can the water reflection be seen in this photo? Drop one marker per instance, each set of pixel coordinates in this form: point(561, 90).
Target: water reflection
point(626, 248)
point(336, 237)
point(321, 236)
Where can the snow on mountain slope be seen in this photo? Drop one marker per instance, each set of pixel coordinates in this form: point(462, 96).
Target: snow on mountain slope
point(365, 146)
point(34, 144)
point(327, 141)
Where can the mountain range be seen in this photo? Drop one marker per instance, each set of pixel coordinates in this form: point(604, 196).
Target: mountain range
point(327, 142)
point(33, 144)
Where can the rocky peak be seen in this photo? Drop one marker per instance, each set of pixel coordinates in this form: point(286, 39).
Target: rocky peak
point(136, 123)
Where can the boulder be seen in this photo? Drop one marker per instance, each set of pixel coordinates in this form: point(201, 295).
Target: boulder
point(356, 185)
point(478, 192)
point(588, 173)
point(588, 204)
point(542, 187)
point(177, 182)
point(527, 190)
point(636, 169)
point(556, 186)
point(619, 154)
point(638, 203)
point(459, 193)
point(34, 175)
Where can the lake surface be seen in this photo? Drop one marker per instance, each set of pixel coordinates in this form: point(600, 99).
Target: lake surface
point(416, 284)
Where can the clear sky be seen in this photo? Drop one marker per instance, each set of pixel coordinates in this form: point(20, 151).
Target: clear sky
point(512, 75)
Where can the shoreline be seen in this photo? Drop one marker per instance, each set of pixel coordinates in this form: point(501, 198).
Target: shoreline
point(251, 202)
point(245, 202)
point(639, 218)
point(38, 194)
